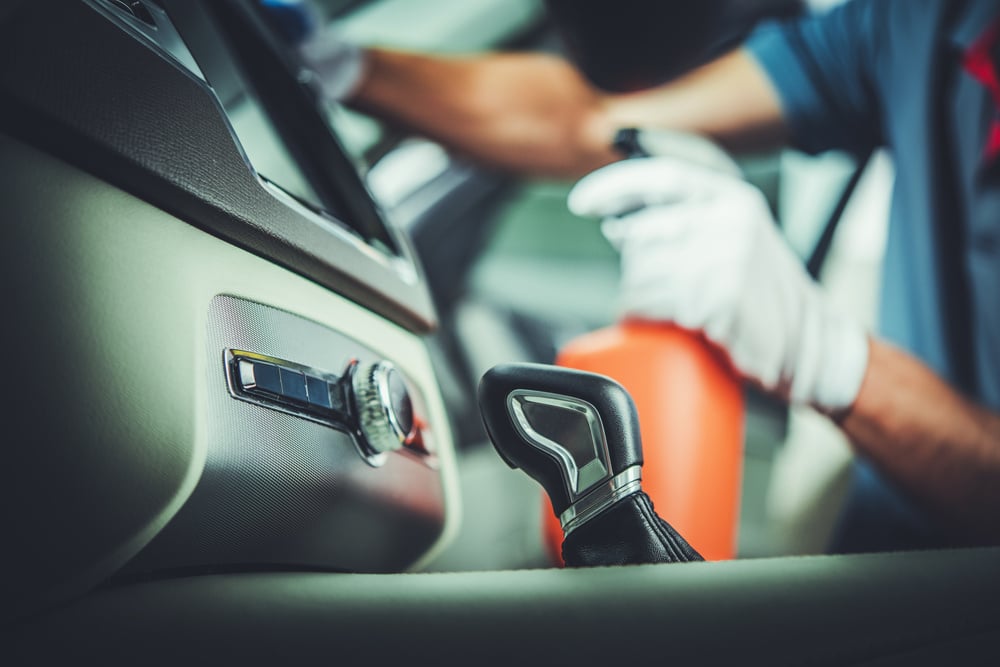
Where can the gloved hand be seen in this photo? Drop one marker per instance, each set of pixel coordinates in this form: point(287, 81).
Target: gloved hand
point(335, 64)
point(699, 248)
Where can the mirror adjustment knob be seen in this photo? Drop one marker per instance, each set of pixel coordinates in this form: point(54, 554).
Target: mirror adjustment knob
point(382, 405)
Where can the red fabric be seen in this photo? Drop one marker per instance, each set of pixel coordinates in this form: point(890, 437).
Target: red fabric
point(979, 63)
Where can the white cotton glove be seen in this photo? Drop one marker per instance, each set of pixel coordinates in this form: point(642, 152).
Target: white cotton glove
point(337, 64)
point(699, 248)
point(694, 149)
point(334, 64)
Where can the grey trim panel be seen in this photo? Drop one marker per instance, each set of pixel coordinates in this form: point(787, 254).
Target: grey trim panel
point(106, 420)
point(281, 490)
point(836, 610)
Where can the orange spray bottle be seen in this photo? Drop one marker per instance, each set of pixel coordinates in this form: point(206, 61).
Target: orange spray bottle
point(690, 405)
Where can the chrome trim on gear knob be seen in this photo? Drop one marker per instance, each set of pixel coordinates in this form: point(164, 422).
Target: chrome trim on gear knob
point(579, 477)
point(601, 498)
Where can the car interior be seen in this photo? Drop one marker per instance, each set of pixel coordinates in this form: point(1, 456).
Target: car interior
point(247, 329)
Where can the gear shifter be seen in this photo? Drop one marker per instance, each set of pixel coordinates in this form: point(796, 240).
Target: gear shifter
point(577, 434)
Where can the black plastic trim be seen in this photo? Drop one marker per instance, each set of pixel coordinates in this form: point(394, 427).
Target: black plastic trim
point(86, 91)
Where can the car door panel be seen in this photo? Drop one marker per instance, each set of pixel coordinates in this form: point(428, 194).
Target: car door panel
point(134, 225)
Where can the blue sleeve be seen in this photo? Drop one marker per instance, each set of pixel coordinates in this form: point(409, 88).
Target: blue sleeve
point(823, 69)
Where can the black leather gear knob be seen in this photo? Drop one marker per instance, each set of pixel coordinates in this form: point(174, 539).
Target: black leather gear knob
point(568, 430)
point(627, 533)
point(577, 434)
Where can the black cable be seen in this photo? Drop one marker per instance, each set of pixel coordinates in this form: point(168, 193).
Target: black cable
point(822, 248)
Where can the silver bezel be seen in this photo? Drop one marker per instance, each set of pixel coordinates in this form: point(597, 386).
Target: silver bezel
point(383, 433)
point(578, 481)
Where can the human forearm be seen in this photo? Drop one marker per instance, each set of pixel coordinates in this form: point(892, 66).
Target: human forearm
point(752, 298)
point(940, 447)
point(730, 99)
point(535, 113)
point(525, 112)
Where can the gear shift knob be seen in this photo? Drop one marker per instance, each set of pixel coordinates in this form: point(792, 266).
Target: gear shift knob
point(570, 431)
point(577, 434)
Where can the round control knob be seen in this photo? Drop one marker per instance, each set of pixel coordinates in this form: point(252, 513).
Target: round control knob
point(383, 406)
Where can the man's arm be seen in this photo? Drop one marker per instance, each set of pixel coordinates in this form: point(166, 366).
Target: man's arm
point(751, 296)
point(932, 442)
point(535, 113)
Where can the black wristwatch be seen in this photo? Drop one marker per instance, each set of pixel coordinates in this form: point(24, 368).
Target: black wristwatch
point(626, 143)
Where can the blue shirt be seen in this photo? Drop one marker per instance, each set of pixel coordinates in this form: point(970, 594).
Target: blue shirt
point(889, 73)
